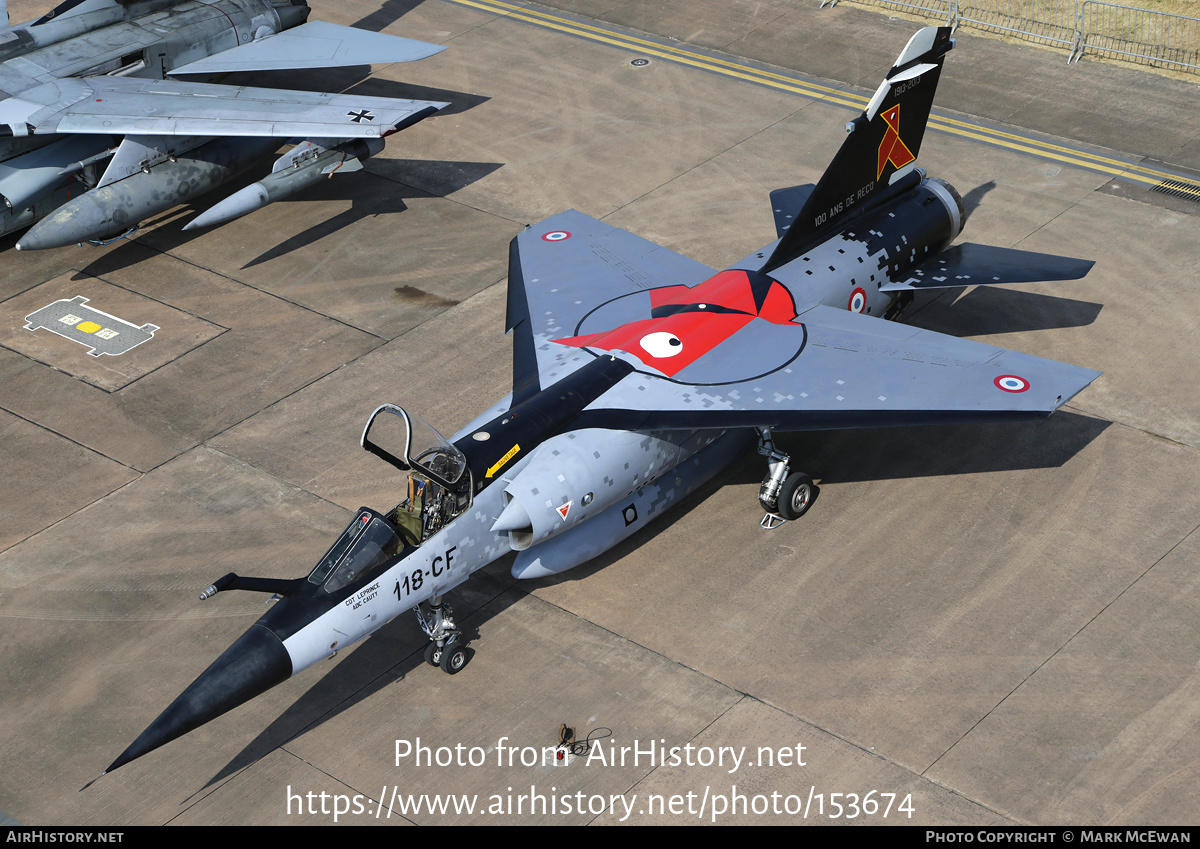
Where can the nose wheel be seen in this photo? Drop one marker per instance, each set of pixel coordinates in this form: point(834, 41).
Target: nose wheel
point(446, 647)
point(784, 495)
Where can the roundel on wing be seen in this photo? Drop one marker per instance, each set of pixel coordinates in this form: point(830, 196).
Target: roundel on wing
point(732, 327)
point(556, 236)
point(1011, 383)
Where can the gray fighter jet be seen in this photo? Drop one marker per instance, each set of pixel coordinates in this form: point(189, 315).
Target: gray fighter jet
point(639, 374)
point(105, 121)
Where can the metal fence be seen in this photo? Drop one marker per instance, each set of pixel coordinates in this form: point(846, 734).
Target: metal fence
point(1044, 21)
point(1154, 38)
point(1157, 38)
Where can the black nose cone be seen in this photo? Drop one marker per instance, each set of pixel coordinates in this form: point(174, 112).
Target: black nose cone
point(252, 665)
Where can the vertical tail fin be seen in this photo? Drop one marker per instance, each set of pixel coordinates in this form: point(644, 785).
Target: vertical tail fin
point(881, 150)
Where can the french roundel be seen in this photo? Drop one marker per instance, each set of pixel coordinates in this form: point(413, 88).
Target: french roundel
point(556, 236)
point(1011, 383)
point(858, 300)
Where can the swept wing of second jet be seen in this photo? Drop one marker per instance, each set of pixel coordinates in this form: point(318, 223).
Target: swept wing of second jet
point(106, 118)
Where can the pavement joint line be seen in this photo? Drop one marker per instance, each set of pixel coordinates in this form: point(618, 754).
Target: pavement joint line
point(383, 342)
point(920, 775)
point(41, 426)
point(138, 476)
point(464, 205)
point(741, 698)
point(1107, 163)
point(698, 165)
point(335, 709)
point(1068, 641)
point(237, 282)
point(144, 296)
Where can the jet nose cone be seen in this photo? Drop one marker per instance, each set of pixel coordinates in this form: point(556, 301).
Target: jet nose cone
point(513, 518)
point(255, 663)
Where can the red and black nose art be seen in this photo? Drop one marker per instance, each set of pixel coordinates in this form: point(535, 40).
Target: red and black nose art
point(686, 323)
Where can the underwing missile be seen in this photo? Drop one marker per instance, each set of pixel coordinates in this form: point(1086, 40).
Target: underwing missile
point(126, 80)
point(300, 168)
point(112, 209)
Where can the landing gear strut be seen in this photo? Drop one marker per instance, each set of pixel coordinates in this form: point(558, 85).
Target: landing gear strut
point(446, 647)
point(784, 496)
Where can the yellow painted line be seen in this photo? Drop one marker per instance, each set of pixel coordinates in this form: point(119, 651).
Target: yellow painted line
point(735, 70)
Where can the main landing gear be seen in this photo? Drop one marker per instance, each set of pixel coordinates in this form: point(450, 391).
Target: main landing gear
point(446, 646)
point(784, 496)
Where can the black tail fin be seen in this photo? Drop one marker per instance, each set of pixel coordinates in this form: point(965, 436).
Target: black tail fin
point(881, 150)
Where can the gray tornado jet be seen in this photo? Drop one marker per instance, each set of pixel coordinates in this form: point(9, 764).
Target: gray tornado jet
point(639, 374)
point(103, 121)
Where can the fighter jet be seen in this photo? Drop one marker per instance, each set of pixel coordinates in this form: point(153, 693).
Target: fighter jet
point(105, 119)
point(638, 374)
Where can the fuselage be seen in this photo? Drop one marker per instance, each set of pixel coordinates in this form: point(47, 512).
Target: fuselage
point(541, 478)
point(38, 173)
point(581, 490)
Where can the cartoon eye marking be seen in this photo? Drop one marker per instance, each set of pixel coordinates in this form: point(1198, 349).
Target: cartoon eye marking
point(661, 344)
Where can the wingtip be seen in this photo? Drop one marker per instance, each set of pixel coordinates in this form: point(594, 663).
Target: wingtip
point(93, 781)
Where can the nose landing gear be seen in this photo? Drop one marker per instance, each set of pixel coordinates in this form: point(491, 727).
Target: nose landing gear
point(446, 647)
point(782, 495)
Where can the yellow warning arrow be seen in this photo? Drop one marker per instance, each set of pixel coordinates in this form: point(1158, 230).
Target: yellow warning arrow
point(512, 452)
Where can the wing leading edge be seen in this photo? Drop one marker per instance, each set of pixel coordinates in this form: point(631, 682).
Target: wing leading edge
point(128, 105)
point(316, 44)
point(563, 268)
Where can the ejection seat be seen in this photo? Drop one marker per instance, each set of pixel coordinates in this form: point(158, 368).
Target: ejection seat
point(407, 515)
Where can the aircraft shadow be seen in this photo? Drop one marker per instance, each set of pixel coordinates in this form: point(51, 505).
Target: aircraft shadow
point(357, 80)
point(973, 198)
point(987, 310)
point(368, 195)
point(389, 655)
point(386, 15)
point(460, 101)
point(405, 178)
point(833, 457)
point(396, 650)
point(936, 450)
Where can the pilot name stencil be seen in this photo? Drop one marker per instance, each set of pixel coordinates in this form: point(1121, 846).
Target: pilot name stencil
point(99, 331)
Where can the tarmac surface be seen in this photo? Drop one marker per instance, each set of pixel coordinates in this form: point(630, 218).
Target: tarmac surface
point(973, 625)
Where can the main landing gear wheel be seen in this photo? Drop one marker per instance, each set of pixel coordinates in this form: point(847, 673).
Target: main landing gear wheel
point(784, 495)
point(796, 496)
point(453, 658)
